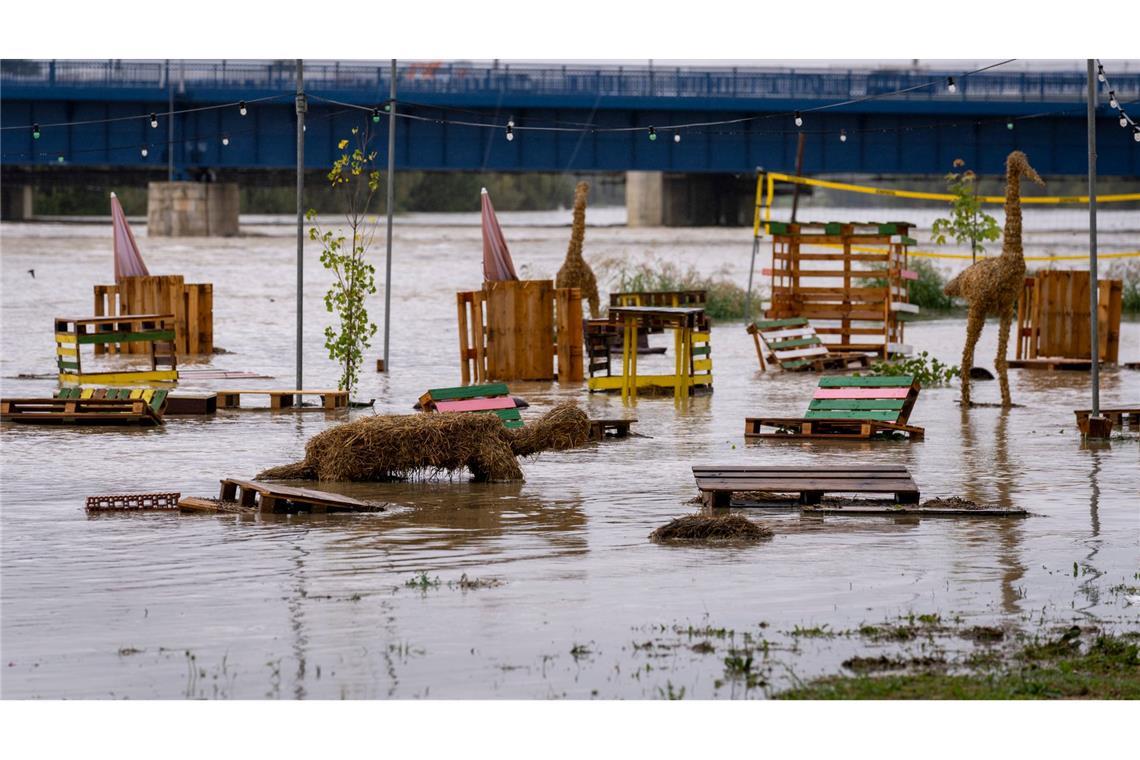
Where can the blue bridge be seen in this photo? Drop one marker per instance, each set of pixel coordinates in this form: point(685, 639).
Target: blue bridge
point(576, 118)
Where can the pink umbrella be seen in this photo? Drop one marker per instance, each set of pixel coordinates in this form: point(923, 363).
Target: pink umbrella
point(128, 260)
point(497, 264)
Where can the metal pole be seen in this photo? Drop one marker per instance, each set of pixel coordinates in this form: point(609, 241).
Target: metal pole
point(169, 125)
point(1095, 348)
point(799, 173)
point(751, 270)
point(391, 203)
point(301, 108)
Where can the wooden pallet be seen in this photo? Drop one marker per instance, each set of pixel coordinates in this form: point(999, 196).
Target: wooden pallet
point(855, 408)
point(493, 397)
point(1121, 417)
point(154, 332)
point(794, 345)
point(266, 498)
point(717, 483)
point(133, 502)
point(89, 411)
point(283, 399)
point(599, 429)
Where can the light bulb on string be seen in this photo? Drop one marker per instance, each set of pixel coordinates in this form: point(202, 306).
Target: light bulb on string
point(1009, 124)
point(843, 135)
point(799, 119)
point(145, 151)
point(510, 131)
point(950, 85)
point(677, 137)
point(375, 115)
point(1136, 133)
point(154, 121)
point(35, 131)
point(1123, 119)
point(652, 133)
point(388, 107)
point(511, 122)
point(242, 109)
point(59, 159)
point(1112, 99)
point(1100, 72)
point(225, 139)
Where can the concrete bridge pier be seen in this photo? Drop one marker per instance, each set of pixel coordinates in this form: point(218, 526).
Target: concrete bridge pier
point(16, 202)
point(192, 209)
point(665, 199)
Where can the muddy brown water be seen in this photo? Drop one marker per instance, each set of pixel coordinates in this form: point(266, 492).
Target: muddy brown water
point(169, 606)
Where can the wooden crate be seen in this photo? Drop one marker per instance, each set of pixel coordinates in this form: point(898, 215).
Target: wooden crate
point(1053, 317)
point(507, 332)
point(191, 306)
point(865, 315)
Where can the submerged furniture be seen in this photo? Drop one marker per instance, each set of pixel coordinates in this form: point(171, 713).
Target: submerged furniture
point(717, 483)
point(269, 498)
point(89, 406)
point(283, 399)
point(848, 407)
point(849, 273)
point(494, 397)
point(794, 345)
point(1125, 417)
point(692, 352)
point(1053, 330)
point(154, 330)
point(191, 306)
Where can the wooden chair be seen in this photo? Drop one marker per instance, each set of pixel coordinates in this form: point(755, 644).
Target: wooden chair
point(848, 407)
point(794, 345)
point(494, 397)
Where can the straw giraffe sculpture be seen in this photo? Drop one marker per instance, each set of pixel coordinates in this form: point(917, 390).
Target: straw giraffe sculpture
point(575, 272)
point(992, 286)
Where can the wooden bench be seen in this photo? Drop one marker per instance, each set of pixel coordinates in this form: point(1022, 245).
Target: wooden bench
point(848, 408)
point(493, 397)
point(278, 400)
point(1122, 417)
point(794, 345)
point(80, 411)
point(266, 498)
point(717, 483)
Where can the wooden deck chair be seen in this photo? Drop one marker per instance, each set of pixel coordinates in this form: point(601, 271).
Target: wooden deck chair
point(848, 407)
point(794, 345)
point(494, 397)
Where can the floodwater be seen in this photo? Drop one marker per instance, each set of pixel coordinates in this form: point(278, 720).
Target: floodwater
point(567, 590)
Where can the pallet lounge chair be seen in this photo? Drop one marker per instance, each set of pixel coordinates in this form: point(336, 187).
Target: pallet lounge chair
point(848, 408)
point(794, 345)
point(89, 406)
point(493, 397)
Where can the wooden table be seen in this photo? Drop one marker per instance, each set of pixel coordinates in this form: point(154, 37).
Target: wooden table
point(681, 319)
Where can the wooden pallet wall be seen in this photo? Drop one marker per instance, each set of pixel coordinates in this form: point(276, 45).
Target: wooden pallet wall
point(1053, 316)
point(191, 304)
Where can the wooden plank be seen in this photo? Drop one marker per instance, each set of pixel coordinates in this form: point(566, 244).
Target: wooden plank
point(790, 333)
point(833, 414)
point(772, 323)
point(475, 405)
point(818, 350)
point(783, 345)
point(856, 404)
point(471, 391)
point(891, 381)
point(864, 393)
point(832, 485)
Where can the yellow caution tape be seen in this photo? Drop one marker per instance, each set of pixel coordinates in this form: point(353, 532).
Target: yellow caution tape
point(933, 255)
point(869, 190)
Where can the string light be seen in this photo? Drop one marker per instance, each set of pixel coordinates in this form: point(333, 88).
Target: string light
point(35, 131)
point(375, 115)
point(241, 108)
point(154, 121)
point(1100, 72)
point(652, 133)
point(225, 139)
point(843, 135)
point(388, 107)
point(950, 85)
point(1136, 133)
point(145, 151)
point(59, 159)
point(1009, 124)
point(1112, 99)
point(510, 131)
point(1123, 119)
point(677, 137)
point(799, 119)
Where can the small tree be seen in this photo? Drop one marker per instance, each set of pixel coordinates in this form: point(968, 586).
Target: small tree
point(967, 222)
point(353, 178)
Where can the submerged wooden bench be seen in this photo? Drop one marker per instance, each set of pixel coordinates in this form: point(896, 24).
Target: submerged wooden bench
point(717, 483)
point(794, 345)
point(268, 498)
point(1122, 417)
point(103, 406)
point(330, 399)
point(848, 407)
point(493, 397)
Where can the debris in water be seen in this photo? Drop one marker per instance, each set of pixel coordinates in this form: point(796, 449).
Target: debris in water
point(711, 528)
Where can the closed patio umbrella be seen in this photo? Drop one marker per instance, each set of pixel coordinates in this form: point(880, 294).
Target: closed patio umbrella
point(128, 260)
point(497, 264)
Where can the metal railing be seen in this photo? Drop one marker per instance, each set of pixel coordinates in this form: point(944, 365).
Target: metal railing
point(457, 78)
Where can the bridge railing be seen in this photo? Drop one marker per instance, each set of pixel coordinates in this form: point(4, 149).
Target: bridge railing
point(456, 78)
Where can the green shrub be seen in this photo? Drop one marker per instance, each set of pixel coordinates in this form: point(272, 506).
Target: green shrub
point(1129, 273)
point(925, 368)
point(725, 298)
point(926, 291)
